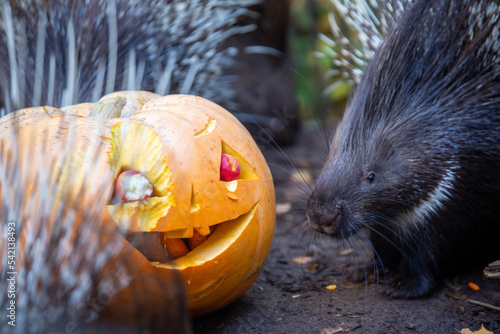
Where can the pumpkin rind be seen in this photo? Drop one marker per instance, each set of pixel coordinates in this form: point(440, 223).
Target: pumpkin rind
point(176, 141)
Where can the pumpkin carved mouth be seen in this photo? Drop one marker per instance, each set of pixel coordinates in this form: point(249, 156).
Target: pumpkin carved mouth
point(222, 236)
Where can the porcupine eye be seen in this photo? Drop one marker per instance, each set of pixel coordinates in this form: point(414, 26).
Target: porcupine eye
point(371, 177)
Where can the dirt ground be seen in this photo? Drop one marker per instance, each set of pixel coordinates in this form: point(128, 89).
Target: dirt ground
point(291, 295)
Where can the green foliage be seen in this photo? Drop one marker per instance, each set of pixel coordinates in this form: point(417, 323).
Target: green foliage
point(314, 92)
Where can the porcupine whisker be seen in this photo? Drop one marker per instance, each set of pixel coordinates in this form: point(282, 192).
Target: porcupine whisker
point(377, 260)
point(397, 233)
point(303, 184)
point(392, 243)
point(356, 258)
point(305, 238)
point(402, 228)
point(360, 235)
point(288, 161)
point(355, 244)
point(297, 223)
point(409, 241)
point(325, 133)
point(346, 240)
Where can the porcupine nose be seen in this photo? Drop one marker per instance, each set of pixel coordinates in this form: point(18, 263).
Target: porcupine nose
point(322, 215)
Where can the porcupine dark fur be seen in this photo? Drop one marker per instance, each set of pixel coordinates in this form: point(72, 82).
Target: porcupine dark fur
point(416, 158)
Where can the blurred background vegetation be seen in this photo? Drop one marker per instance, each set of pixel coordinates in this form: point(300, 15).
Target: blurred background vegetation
point(309, 19)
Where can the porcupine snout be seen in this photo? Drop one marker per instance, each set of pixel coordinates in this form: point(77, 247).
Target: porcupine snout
point(324, 215)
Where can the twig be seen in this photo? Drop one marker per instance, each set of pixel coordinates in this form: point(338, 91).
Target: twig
point(477, 302)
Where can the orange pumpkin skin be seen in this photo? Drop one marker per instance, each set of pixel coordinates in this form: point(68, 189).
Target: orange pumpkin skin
point(176, 142)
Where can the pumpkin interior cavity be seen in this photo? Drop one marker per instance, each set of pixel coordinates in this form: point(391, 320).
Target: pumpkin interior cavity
point(160, 250)
point(148, 160)
point(224, 235)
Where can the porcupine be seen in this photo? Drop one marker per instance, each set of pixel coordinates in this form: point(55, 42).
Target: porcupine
point(59, 53)
point(415, 160)
point(63, 266)
point(64, 52)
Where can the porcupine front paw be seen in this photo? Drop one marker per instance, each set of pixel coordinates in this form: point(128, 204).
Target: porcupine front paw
point(411, 286)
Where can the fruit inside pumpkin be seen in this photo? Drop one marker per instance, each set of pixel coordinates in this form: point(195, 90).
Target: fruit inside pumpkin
point(157, 247)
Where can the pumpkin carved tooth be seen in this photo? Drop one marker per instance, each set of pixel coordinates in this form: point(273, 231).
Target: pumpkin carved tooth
point(132, 186)
point(229, 168)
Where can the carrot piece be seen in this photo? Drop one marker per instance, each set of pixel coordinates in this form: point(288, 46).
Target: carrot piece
point(473, 286)
point(175, 247)
point(196, 240)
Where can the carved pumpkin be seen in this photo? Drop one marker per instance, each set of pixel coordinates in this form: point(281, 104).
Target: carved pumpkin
point(171, 148)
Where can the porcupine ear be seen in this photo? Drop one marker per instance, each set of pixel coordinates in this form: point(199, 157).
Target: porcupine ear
point(357, 30)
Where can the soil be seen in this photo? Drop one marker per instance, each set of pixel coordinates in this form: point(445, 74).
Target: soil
point(291, 294)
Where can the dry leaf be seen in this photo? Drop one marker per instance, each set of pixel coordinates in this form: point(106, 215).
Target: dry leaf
point(312, 266)
point(481, 331)
point(332, 330)
point(302, 259)
point(302, 176)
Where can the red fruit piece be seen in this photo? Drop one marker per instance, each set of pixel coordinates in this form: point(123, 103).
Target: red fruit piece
point(229, 168)
point(132, 186)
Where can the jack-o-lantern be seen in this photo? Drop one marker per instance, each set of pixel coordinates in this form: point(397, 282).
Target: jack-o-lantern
point(183, 175)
